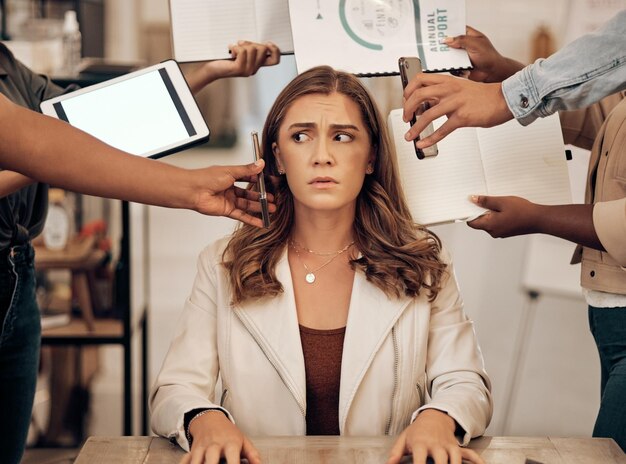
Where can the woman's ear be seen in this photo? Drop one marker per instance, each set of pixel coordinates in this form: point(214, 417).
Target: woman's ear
point(279, 164)
point(371, 161)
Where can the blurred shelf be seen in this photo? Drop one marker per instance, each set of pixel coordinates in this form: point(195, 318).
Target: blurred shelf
point(105, 331)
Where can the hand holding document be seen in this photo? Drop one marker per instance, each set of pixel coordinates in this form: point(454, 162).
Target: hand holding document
point(367, 37)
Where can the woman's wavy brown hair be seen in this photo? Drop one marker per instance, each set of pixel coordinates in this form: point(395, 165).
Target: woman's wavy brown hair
point(397, 255)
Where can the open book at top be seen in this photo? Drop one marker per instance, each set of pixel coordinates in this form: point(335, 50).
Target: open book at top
point(203, 29)
point(509, 159)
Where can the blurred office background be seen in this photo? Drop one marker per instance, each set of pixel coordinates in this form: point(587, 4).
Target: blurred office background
point(538, 351)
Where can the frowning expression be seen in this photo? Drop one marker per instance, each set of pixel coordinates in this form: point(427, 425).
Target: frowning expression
point(325, 150)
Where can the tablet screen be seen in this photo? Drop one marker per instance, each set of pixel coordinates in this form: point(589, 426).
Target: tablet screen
point(137, 115)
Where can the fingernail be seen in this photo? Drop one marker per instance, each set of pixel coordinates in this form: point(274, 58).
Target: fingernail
point(473, 198)
point(258, 162)
point(241, 42)
point(407, 136)
point(448, 39)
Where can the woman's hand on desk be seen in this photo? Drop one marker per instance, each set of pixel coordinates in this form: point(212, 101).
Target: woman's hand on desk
point(432, 435)
point(247, 59)
point(214, 436)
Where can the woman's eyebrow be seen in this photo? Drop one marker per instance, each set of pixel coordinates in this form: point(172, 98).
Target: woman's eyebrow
point(344, 127)
point(312, 125)
point(302, 125)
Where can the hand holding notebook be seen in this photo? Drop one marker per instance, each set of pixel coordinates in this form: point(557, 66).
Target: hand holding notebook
point(509, 159)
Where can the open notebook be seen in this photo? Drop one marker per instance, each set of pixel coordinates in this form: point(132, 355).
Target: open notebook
point(509, 159)
point(203, 29)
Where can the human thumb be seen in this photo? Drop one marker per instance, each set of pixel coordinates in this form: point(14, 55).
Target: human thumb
point(486, 202)
point(244, 172)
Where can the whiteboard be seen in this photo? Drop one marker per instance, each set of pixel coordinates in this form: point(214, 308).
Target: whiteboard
point(546, 259)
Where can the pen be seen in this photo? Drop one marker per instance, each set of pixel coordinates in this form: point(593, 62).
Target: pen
point(261, 182)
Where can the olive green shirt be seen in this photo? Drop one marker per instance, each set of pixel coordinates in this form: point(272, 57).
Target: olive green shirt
point(28, 206)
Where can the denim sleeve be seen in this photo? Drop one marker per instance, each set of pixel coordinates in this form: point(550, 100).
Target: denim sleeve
point(583, 72)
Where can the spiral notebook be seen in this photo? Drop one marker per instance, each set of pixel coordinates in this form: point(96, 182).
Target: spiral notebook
point(203, 29)
point(509, 159)
point(366, 37)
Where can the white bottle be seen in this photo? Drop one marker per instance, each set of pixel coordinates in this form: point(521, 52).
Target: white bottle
point(71, 44)
point(58, 229)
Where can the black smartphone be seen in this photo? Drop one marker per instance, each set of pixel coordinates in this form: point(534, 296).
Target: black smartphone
point(409, 68)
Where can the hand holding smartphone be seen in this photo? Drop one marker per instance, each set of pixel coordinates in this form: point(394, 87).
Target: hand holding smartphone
point(409, 68)
point(265, 215)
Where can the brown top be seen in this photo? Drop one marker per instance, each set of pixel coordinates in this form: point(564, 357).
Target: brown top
point(322, 351)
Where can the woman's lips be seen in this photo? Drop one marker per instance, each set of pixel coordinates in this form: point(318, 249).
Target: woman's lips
point(323, 182)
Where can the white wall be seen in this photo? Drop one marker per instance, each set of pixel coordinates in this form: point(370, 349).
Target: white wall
point(558, 381)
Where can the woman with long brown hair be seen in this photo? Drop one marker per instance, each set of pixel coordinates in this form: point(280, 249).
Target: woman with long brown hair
point(343, 317)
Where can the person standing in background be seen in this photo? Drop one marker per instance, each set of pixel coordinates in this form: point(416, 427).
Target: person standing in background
point(23, 206)
point(589, 73)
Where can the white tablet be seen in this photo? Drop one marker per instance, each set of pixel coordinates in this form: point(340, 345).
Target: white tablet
point(150, 112)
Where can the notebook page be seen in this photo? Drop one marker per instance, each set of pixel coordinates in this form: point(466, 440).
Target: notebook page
point(273, 25)
point(437, 188)
point(203, 29)
point(526, 161)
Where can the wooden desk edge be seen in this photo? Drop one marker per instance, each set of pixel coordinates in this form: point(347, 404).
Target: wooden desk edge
point(136, 450)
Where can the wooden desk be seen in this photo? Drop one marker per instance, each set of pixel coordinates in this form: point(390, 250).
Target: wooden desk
point(358, 450)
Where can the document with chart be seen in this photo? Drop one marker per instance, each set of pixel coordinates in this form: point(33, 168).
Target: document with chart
point(367, 37)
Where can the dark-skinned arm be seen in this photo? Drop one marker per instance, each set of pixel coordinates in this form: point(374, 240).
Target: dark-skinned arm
point(488, 65)
point(510, 216)
point(247, 59)
point(12, 182)
point(66, 157)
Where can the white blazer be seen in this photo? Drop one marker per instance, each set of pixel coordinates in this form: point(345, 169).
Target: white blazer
point(399, 356)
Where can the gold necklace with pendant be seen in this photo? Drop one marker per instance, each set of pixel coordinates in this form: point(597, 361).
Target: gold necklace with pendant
point(310, 273)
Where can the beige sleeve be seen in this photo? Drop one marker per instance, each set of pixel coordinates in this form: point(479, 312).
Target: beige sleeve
point(609, 220)
point(457, 381)
point(580, 127)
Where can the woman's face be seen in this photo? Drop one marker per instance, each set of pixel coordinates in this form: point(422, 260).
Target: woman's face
point(325, 151)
